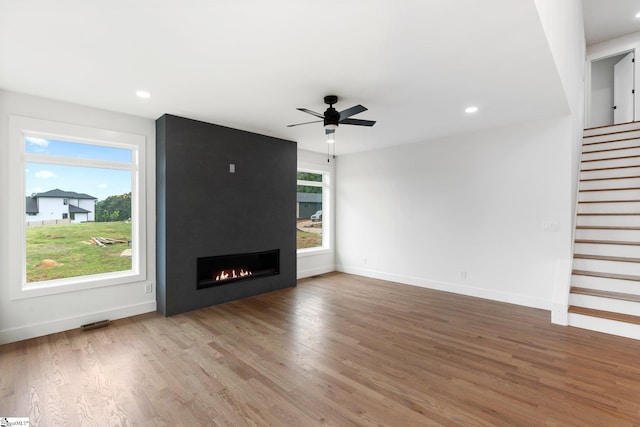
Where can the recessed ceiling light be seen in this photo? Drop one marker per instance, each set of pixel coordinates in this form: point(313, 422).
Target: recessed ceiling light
point(143, 94)
point(471, 109)
point(638, 15)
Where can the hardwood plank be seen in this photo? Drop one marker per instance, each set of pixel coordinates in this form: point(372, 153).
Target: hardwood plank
point(337, 350)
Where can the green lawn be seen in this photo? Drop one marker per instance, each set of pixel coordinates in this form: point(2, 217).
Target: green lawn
point(308, 240)
point(69, 246)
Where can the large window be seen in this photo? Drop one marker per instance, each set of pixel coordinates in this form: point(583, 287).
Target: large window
point(312, 210)
point(80, 193)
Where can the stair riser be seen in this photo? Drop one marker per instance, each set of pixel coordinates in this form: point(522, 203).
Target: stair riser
point(616, 163)
point(613, 128)
point(606, 326)
point(610, 173)
point(601, 155)
point(619, 221)
point(602, 284)
point(611, 137)
point(625, 207)
point(615, 267)
point(626, 251)
point(586, 196)
point(623, 235)
point(588, 148)
point(609, 184)
point(606, 304)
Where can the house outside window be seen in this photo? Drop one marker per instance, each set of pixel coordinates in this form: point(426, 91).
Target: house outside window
point(102, 200)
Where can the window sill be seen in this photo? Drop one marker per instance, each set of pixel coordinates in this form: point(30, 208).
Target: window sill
point(313, 251)
point(76, 284)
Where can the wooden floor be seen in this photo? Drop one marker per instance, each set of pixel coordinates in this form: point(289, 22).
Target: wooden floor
point(337, 350)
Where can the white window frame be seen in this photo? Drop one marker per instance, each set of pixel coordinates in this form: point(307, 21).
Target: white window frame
point(23, 127)
point(326, 209)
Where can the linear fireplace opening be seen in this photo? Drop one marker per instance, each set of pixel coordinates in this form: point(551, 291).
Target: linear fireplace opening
point(225, 269)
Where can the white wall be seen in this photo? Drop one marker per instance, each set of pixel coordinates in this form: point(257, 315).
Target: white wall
point(323, 261)
point(30, 317)
point(563, 25)
point(425, 213)
point(89, 205)
point(466, 214)
point(49, 208)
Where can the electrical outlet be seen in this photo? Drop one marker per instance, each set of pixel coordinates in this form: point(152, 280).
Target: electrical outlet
point(364, 260)
point(463, 274)
point(148, 288)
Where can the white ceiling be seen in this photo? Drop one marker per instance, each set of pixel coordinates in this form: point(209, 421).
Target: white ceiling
point(608, 19)
point(248, 64)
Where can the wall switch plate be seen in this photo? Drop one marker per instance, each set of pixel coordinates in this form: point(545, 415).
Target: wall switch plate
point(551, 226)
point(232, 168)
point(148, 288)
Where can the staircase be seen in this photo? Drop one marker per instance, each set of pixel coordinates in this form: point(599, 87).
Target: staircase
point(605, 280)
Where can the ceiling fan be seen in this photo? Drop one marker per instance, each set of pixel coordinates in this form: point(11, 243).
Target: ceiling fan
point(332, 118)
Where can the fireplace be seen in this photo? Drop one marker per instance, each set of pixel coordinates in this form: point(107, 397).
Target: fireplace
point(222, 191)
point(226, 269)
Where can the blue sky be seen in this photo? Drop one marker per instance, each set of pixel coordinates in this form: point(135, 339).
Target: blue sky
point(99, 183)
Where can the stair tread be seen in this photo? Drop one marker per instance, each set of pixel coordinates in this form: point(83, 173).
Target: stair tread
point(610, 201)
point(606, 258)
point(627, 318)
point(605, 294)
point(605, 227)
point(610, 189)
point(606, 275)
point(607, 213)
point(607, 242)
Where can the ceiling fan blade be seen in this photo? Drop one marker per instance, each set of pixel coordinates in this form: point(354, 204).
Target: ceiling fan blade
point(328, 131)
point(313, 113)
point(305, 123)
point(357, 122)
point(351, 112)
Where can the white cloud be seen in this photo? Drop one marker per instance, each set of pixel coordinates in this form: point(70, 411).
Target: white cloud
point(46, 174)
point(37, 141)
point(102, 186)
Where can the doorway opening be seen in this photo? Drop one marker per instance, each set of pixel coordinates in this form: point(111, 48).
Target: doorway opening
point(612, 90)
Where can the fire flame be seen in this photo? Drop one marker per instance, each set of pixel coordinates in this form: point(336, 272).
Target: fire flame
point(232, 274)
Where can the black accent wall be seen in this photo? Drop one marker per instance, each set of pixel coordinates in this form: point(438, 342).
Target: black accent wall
point(205, 210)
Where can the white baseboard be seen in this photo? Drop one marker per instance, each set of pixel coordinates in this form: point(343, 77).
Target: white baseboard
point(301, 274)
point(59, 325)
point(455, 288)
